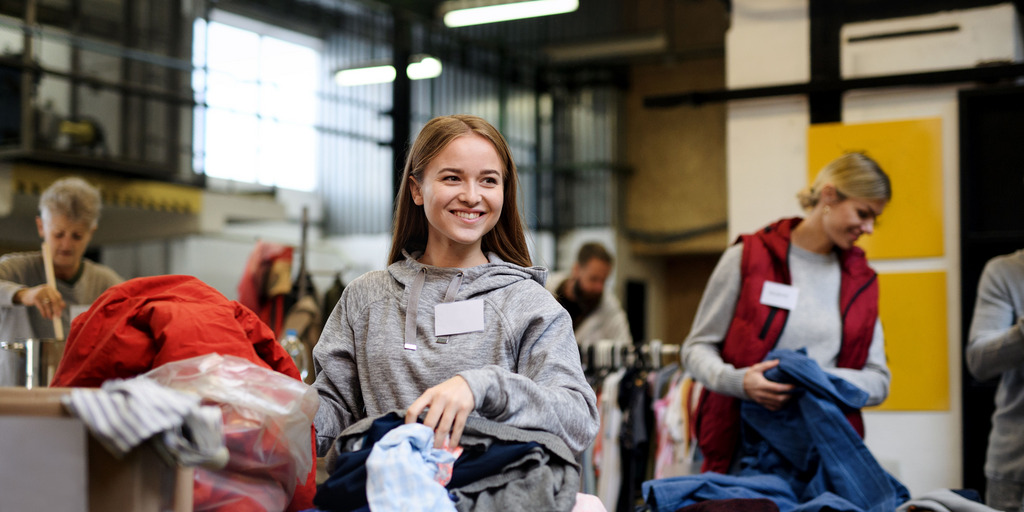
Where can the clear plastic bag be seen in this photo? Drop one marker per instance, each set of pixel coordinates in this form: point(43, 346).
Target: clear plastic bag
point(267, 422)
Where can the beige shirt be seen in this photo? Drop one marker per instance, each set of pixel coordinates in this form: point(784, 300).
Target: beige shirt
point(23, 270)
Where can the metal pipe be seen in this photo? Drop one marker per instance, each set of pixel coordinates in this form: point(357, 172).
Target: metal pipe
point(978, 74)
point(96, 46)
point(31, 68)
point(677, 236)
point(28, 131)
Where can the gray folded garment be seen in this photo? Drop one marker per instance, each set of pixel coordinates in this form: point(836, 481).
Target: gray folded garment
point(944, 500)
point(123, 414)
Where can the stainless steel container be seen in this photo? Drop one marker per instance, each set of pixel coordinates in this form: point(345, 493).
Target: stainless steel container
point(29, 363)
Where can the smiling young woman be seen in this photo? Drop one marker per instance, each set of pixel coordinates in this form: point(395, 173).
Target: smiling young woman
point(459, 323)
point(461, 192)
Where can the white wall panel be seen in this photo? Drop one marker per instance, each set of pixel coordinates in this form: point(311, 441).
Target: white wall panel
point(767, 43)
point(945, 40)
point(766, 160)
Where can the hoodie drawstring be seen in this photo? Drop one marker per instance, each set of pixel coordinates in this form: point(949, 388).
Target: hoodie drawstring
point(414, 303)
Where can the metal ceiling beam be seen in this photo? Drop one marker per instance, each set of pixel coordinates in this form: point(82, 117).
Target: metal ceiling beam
point(978, 74)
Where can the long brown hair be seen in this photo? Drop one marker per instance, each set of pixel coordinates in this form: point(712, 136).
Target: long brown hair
point(507, 239)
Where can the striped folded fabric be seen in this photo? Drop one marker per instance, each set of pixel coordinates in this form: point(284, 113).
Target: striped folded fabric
point(124, 413)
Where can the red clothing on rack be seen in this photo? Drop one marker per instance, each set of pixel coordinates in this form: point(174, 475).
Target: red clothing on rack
point(261, 267)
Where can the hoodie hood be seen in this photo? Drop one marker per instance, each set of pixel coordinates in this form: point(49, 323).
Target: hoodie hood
point(477, 280)
point(464, 284)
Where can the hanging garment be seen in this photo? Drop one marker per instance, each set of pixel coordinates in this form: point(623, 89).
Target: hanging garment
point(634, 438)
point(607, 456)
point(266, 282)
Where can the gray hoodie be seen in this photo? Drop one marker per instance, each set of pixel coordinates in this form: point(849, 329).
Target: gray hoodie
point(523, 368)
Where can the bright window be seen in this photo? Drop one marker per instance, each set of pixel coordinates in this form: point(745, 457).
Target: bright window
point(258, 83)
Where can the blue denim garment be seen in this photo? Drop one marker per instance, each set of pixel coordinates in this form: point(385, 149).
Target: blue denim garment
point(805, 457)
point(810, 443)
point(670, 494)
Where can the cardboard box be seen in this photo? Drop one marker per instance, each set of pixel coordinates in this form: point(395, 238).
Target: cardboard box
point(51, 462)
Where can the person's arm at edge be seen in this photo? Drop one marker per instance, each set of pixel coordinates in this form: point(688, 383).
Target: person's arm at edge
point(996, 336)
point(701, 352)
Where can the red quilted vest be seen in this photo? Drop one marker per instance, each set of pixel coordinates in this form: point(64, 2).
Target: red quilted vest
point(755, 328)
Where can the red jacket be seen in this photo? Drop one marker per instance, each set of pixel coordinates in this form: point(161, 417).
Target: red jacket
point(145, 322)
point(756, 327)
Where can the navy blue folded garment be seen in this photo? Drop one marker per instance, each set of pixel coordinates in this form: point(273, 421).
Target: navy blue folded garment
point(475, 464)
point(345, 489)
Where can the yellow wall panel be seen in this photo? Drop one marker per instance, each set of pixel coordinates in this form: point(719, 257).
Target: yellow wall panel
point(913, 311)
point(910, 152)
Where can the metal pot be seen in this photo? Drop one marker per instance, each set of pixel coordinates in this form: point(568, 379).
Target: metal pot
point(30, 362)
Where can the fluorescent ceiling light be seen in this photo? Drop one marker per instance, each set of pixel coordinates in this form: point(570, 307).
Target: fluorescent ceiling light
point(425, 67)
point(365, 76)
point(422, 67)
point(462, 13)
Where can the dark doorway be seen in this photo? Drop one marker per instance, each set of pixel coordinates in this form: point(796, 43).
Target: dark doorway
point(636, 311)
point(991, 223)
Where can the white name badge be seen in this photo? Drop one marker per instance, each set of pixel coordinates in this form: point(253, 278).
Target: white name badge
point(458, 317)
point(779, 295)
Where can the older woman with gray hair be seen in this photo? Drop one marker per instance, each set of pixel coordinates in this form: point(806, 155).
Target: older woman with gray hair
point(69, 212)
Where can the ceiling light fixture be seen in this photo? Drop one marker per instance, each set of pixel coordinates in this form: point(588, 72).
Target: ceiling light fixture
point(462, 13)
point(422, 67)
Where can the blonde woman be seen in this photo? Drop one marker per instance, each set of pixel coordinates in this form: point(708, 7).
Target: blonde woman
point(814, 263)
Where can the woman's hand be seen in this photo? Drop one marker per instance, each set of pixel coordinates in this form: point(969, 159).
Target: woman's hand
point(448, 404)
point(44, 297)
point(769, 394)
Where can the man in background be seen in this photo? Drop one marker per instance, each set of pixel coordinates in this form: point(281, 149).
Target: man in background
point(596, 315)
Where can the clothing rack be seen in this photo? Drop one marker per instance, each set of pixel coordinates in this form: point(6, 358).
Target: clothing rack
point(303, 279)
point(609, 355)
point(657, 352)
